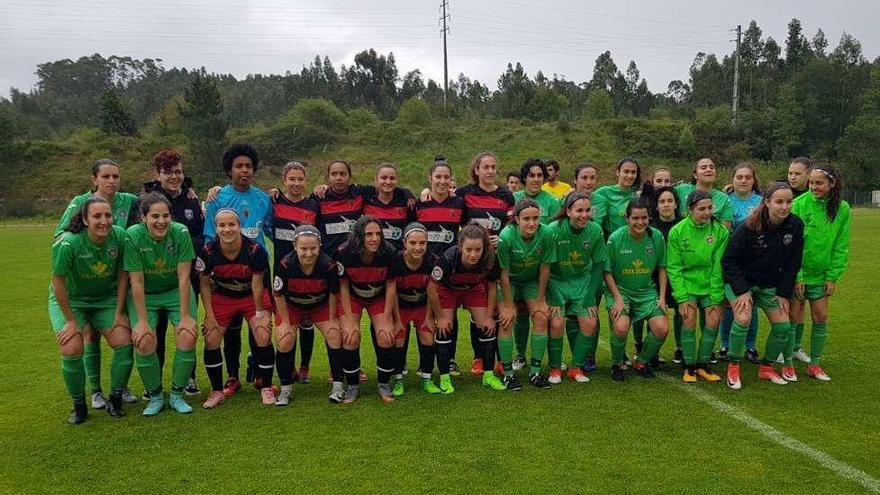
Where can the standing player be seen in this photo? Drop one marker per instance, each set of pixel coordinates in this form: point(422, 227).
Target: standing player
point(826, 218)
point(760, 267)
point(158, 259)
point(661, 177)
point(634, 252)
point(533, 173)
point(553, 185)
point(513, 183)
point(703, 179)
point(586, 178)
point(664, 216)
point(390, 204)
point(610, 203)
point(340, 206)
point(89, 287)
point(693, 265)
point(799, 175)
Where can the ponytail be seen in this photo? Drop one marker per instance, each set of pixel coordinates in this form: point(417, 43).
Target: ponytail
point(78, 220)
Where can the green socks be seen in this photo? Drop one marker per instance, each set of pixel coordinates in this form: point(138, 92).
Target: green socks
point(539, 345)
point(789, 345)
point(148, 368)
point(799, 335)
point(120, 367)
point(92, 360)
point(818, 337)
point(618, 347)
point(184, 364)
point(505, 350)
point(650, 348)
point(775, 341)
point(707, 344)
point(554, 351)
point(584, 345)
point(639, 331)
point(521, 334)
point(689, 346)
point(74, 374)
point(676, 329)
point(738, 342)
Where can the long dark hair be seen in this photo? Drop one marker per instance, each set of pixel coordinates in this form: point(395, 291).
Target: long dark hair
point(693, 179)
point(637, 183)
point(759, 219)
point(355, 244)
point(570, 200)
point(521, 205)
point(147, 200)
point(78, 220)
point(834, 198)
point(653, 196)
point(527, 167)
point(583, 166)
point(637, 204)
point(474, 230)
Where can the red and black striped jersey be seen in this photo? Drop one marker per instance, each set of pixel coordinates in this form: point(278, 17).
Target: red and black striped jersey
point(337, 215)
point(449, 271)
point(442, 221)
point(366, 281)
point(492, 210)
point(303, 291)
point(412, 285)
point(394, 216)
point(233, 277)
point(287, 216)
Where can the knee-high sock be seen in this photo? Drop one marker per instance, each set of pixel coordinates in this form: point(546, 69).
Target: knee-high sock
point(148, 368)
point(265, 358)
point(521, 334)
point(351, 366)
point(539, 345)
point(737, 342)
point(91, 359)
point(572, 329)
point(639, 331)
point(384, 364)
point(554, 351)
point(401, 352)
point(581, 349)
point(74, 374)
point(752, 334)
point(799, 335)
point(707, 344)
point(775, 341)
point(232, 346)
point(651, 347)
point(426, 359)
point(120, 368)
point(443, 347)
point(618, 347)
point(818, 338)
point(724, 329)
point(161, 332)
point(676, 328)
point(284, 363)
point(505, 349)
point(182, 368)
point(689, 346)
point(474, 333)
point(213, 360)
point(335, 358)
point(598, 329)
point(788, 347)
point(490, 348)
point(252, 354)
point(306, 345)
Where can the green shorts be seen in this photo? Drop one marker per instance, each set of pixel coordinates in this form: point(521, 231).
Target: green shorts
point(702, 302)
point(521, 291)
point(763, 298)
point(164, 301)
point(570, 298)
point(638, 306)
point(99, 315)
point(814, 292)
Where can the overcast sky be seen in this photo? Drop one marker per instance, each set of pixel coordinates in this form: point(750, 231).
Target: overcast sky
point(555, 36)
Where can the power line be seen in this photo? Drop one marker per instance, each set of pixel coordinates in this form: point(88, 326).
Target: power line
point(444, 16)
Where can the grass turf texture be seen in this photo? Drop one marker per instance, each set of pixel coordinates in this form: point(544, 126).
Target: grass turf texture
point(636, 437)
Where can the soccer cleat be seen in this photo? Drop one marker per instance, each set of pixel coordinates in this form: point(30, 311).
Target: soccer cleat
point(128, 397)
point(722, 353)
point(385, 394)
point(768, 372)
point(511, 383)
point(114, 406)
point(476, 367)
point(789, 374)
point(215, 398)
point(429, 386)
point(398, 389)
point(284, 396)
point(617, 373)
point(351, 395)
point(589, 365)
point(231, 386)
point(713, 358)
point(337, 393)
point(627, 362)
point(801, 355)
point(818, 373)
point(362, 376)
point(178, 404)
point(98, 400)
point(733, 376)
point(689, 376)
point(79, 414)
point(519, 363)
point(268, 396)
point(643, 370)
point(677, 356)
point(155, 405)
point(405, 371)
point(454, 369)
point(656, 361)
point(577, 374)
point(753, 357)
point(498, 369)
point(706, 373)
point(145, 396)
point(563, 367)
point(302, 376)
point(555, 376)
point(192, 387)
point(446, 387)
point(493, 382)
point(258, 382)
point(539, 381)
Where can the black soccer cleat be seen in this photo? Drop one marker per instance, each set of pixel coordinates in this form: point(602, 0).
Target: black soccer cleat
point(617, 373)
point(539, 381)
point(79, 414)
point(512, 383)
point(114, 406)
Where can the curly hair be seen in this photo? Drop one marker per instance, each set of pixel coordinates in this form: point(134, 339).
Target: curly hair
point(166, 159)
point(236, 150)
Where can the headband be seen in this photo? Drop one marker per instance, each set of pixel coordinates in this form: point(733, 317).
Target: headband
point(227, 210)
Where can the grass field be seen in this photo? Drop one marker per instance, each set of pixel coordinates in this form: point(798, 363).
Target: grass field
point(636, 437)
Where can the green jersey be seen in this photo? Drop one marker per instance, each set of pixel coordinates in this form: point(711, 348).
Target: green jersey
point(609, 207)
point(694, 260)
point(523, 258)
point(577, 255)
point(632, 262)
point(826, 244)
point(90, 271)
point(157, 259)
point(547, 202)
point(123, 203)
point(722, 208)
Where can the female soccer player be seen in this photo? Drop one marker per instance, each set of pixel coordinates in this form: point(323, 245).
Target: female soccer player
point(693, 266)
point(826, 218)
point(412, 270)
point(365, 283)
point(340, 207)
point(760, 267)
point(745, 197)
point(524, 250)
point(390, 204)
point(232, 269)
point(634, 252)
point(89, 287)
point(305, 285)
point(158, 259)
point(466, 275)
point(664, 216)
point(533, 173)
point(611, 202)
point(586, 177)
point(703, 179)
point(577, 259)
point(661, 177)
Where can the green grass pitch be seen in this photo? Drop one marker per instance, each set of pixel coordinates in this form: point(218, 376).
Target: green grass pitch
point(636, 437)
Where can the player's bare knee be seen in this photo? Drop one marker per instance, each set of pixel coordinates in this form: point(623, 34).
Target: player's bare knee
point(73, 347)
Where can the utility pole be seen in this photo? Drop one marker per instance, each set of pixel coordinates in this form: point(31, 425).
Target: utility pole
point(443, 30)
point(736, 75)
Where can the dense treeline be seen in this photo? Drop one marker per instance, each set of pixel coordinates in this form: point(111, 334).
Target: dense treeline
point(803, 98)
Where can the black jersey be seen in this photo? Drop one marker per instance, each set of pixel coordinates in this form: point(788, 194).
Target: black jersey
point(338, 214)
point(492, 210)
point(233, 277)
point(303, 291)
point(412, 285)
point(287, 216)
point(442, 221)
point(183, 210)
point(366, 281)
point(770, 258)
point(393, 216)
point(452, 274)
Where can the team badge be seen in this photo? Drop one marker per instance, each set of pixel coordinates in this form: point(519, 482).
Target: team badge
point(188, 214)
point(539, 250)
point(169, 247)
point(437, 273)
point(787, 238)
point(710, 239)
point(586, 244)
point(112, 252)
point(340, 268)
point(649, 249)
point(278, 284)
point(246, 213)
point(200, 265)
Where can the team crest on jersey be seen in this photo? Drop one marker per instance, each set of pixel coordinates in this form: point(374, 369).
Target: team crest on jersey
point(760, 242)
point(200, 265)
point(437, 273)
point(169, 247)
point(188, 214)
point(787, 238)
point(649, 249)
point(246, 212)
point(278, 284)
point(586, 244)
point(112, 252)
point(710, 239)
point(539, 250)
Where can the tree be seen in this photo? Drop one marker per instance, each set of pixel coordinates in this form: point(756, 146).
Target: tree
point(797, 49)
point(515, 92)
point(848, 51)
point(413, 85)
point(201, 111)
point(114, 117)
point(788, 124)
point(820, 43)
point(598, 105)
point(604, 72)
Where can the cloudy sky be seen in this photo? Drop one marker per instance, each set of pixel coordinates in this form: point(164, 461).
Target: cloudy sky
point(555, 36)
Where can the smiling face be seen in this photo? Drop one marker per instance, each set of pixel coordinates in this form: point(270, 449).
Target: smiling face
point(586, 180)
point(662, 178)
point(98, 220)
point(338, 177)
point(295, 183)
point(743, 181)
point(106, 182)
point(171, 179)
point(441, 181)
point(386, 180)
point(528, 220)
point(820, 184)
point(372, 237)
point(701, 212)
point(158, 220)
point(416, 245)
point(626, 174)
point(471, 252)
point(487, 170)
point(704, 171)
point(242, 172)
point(579, 213)
point(307, 248)
point(228, 228)
point(637, 221)
point(534, 180)
point(666, 205)
point(779, 205)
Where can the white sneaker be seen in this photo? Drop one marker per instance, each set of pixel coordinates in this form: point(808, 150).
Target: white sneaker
point(518, 363)
point(337, 393)
point(128, 397)
point(801, 356)
point(98, 400)
point(285, 396)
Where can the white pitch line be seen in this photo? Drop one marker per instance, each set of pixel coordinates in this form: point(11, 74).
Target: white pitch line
point(841, 468)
